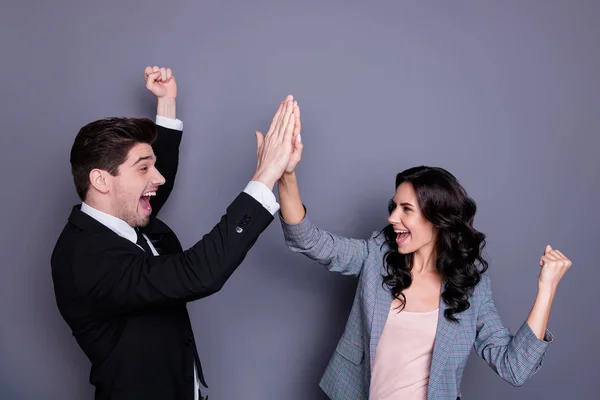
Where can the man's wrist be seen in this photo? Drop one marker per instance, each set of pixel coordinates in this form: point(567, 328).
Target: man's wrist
point(265, 178)
point(166, 108)
point(263, 195)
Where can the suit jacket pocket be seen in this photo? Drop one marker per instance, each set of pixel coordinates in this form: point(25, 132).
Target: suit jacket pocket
point(350, 351)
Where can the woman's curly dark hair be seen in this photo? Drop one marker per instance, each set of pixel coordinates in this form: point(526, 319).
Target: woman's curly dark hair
point(445, 203)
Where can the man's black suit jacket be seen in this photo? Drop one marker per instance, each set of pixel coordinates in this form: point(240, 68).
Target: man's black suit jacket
point(127, 309)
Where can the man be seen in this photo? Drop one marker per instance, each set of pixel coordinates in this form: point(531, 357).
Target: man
point(121, 277)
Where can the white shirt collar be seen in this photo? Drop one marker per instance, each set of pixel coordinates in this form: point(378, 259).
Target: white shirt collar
point(117, 225)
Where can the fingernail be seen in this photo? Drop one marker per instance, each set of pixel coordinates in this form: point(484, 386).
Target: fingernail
point(299, 139)
point(296, 103)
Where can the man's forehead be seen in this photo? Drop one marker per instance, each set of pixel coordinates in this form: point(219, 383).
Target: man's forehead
point(140, 151)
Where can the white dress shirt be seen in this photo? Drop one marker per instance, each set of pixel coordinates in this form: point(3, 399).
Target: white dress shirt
point(256, 189)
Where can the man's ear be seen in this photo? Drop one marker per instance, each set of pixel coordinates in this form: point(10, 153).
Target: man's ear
point(101, 180)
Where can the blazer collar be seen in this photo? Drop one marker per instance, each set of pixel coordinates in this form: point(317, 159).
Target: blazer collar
point(113, 223)
point(87, 223)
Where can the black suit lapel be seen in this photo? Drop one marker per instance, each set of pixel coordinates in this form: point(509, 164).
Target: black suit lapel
point(162, 237)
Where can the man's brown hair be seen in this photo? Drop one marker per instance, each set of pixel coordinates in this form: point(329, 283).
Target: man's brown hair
point(104, 144)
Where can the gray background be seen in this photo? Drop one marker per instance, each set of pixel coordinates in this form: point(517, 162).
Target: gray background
point(503, 94)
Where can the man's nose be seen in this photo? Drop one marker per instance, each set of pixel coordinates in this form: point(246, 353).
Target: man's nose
point(159, 179)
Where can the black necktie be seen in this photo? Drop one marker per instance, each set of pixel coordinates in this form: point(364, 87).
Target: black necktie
point(141, 240)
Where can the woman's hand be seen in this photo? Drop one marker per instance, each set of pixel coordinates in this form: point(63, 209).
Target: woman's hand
point(554, 266)
point(297, 141)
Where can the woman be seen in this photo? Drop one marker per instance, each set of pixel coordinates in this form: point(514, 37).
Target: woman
point(423, 300)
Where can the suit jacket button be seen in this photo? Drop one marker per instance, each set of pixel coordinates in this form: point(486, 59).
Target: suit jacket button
point(239, 229)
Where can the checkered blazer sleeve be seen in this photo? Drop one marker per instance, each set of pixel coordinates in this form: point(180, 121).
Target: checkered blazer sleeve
point(514, 358)
point(336, 253)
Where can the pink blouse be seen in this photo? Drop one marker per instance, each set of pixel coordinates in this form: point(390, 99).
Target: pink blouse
point(403, 356)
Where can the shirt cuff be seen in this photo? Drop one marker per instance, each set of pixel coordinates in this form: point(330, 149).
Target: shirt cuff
point(169, 123)
point(263, 195)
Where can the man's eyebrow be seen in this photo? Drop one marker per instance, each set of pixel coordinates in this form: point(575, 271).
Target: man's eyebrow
point(143, 159)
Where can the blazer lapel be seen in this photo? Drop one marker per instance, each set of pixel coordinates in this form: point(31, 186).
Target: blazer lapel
point(162, 237)
point(444, 338)
point(383, 302)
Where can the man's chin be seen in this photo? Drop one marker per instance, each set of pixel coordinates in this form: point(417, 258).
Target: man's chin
point(142, 222)
point(142, 218)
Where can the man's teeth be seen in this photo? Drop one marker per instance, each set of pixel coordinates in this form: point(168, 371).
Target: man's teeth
point(149, 194)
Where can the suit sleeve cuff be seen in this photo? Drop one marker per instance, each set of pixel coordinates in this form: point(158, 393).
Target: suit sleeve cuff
point(169, 123)
point(535, 348)
point(263, 195)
